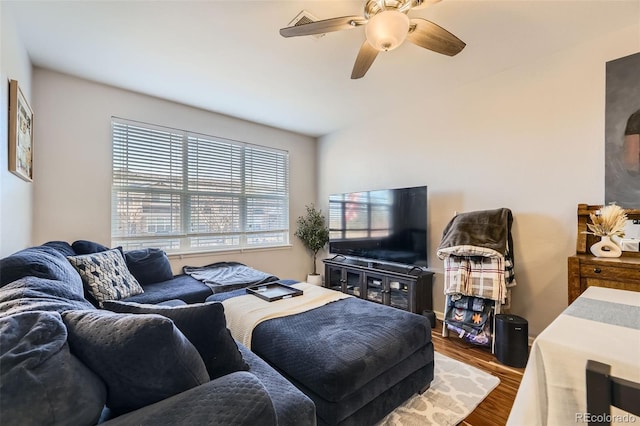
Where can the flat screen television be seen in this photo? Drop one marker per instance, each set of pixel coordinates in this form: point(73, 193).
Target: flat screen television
point(388, 225)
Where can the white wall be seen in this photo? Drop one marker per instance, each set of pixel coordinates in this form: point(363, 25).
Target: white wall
point(73, 172)
point(530, 139)
point(16, 195)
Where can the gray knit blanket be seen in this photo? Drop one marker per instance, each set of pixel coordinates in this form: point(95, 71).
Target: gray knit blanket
point(227, 276)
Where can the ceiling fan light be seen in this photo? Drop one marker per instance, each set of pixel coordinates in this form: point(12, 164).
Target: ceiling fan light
point(387, 30)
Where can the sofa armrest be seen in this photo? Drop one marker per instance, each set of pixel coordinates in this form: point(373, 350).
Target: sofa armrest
point(293, 408)
point(235, 399)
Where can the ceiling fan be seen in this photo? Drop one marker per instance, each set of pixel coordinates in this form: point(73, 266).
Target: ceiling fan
point(386, 27)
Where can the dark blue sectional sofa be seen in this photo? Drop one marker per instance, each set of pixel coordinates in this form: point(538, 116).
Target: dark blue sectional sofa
point(64, 360)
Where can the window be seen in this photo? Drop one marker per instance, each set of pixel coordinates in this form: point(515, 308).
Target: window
point(360, 214)
point(182, 191)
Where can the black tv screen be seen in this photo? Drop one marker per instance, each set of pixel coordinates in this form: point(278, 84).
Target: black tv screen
point(388, 225)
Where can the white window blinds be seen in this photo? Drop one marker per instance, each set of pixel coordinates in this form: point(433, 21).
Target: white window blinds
point(182, 191)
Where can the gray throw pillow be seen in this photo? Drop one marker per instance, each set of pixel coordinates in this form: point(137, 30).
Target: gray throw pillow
point(148, 265)
point(63, 247)
point(105, 275)
point(143, 359)
point(41, 382)
point(204, 324)
point(87, 247)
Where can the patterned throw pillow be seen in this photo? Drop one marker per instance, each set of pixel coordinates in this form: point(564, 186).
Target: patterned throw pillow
point(106, 276)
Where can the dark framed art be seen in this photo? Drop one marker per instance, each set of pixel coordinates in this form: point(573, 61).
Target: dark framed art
point(622, 132)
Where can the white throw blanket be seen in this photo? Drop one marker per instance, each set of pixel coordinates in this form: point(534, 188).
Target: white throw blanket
point(244, 313)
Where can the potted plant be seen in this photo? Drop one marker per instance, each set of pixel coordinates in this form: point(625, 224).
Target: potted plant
point(314, 234)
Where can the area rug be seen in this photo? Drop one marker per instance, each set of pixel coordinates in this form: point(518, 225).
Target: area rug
point(455, 392)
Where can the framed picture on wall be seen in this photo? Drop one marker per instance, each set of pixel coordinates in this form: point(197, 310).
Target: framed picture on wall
point(20, 134)
point(622, 132)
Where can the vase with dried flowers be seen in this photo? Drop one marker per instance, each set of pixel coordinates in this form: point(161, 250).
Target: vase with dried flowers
point(608, 222)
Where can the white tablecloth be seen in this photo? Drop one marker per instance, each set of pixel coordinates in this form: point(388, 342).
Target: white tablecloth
point(602, 324)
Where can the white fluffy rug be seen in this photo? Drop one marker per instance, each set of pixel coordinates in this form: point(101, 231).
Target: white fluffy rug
point(455, 392)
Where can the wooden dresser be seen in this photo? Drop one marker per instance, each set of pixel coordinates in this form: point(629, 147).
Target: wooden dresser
point(586, 270)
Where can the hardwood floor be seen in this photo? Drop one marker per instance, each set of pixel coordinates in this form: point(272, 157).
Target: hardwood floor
point(494, 410)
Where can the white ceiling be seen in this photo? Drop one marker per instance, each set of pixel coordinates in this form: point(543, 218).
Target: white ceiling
point(228, 57)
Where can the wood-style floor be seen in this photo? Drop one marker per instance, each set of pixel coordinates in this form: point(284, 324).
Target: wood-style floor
point(494, 410)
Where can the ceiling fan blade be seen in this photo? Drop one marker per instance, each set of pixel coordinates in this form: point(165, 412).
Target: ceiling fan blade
point(366, 56)
point(421, 4)
point(324, 26)
point(433, 37)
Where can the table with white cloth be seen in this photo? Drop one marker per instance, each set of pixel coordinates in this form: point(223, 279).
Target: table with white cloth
point(602, 324)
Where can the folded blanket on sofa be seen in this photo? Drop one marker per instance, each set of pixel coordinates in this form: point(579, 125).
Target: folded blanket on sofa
point(226, 276)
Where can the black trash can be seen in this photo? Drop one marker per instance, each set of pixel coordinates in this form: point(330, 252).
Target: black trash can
point(432, 317)
point(512, 340)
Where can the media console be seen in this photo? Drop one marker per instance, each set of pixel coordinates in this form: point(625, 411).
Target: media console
point(403, 287)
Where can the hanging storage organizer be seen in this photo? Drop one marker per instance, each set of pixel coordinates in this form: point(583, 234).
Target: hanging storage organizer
point(477, 249)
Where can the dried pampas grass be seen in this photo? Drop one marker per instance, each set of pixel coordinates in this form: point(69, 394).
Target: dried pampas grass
point(609, 222)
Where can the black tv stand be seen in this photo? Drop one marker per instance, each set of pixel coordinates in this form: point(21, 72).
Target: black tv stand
point(405, 287)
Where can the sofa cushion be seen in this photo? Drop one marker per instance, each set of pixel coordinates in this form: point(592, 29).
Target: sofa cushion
point(88, 247)
point(39, 294)
point(143, 359)
point(106, 276)
point(181, 287)
point(205, 325)
point(148, 265)
point(41, 261)
point(41, 382)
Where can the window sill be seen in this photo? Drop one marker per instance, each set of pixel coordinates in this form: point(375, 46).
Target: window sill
point(200, 253)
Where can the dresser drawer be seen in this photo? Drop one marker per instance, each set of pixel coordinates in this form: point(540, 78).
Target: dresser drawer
point(609, 273)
